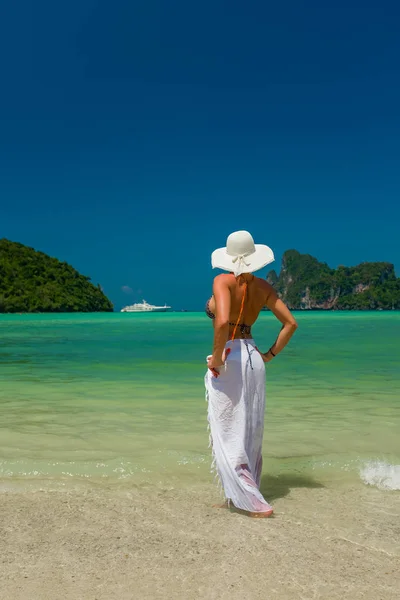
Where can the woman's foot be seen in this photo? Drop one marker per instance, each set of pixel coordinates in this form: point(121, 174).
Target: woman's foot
point(254, 515)
point(261, 515)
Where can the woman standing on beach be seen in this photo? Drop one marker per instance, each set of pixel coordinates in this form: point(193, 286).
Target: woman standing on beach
point(235, 379)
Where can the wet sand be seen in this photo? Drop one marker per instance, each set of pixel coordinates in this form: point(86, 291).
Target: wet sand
point(147, 543)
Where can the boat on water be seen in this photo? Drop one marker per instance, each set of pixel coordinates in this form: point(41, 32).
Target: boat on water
point(145, 307)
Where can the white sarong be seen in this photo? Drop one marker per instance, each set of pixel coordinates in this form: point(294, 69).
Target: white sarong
point(236, 404)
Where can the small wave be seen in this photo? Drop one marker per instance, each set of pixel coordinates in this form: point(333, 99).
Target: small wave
point(382, 475)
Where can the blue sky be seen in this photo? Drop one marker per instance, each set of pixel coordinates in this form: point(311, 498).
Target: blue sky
point(135, 136)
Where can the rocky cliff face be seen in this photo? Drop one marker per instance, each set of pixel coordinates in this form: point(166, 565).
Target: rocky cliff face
point(305, 283)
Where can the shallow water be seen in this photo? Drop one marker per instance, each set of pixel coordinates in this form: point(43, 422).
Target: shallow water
point(119, 398)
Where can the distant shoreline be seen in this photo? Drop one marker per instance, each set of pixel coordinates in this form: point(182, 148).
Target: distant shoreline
point(185, 312)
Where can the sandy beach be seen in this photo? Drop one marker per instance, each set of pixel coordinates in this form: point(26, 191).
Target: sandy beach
point(105, 484)
point(106, 544)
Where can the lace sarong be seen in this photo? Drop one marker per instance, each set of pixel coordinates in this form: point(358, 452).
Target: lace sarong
point(236, 404)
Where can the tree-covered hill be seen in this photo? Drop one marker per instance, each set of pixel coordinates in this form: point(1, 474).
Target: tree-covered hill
point(306, 283)
point(31, 281)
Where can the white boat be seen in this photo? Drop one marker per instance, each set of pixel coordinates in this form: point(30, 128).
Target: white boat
point(145, 307)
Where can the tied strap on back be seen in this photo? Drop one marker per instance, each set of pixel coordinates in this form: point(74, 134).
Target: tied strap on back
point(241, 311)
point(237, 323)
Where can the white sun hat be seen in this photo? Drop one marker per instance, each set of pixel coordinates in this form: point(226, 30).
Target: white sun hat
point(241, 254)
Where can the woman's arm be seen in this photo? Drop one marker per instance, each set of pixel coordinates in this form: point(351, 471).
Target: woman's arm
point(289, 325)
point(222, 298)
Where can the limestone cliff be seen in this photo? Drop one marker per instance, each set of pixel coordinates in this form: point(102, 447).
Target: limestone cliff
point(305, 283)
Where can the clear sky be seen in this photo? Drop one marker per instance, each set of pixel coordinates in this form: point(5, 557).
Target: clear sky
point(135, 136)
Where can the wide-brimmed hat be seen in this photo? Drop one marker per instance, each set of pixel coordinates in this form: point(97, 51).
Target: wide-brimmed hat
point(241, 254)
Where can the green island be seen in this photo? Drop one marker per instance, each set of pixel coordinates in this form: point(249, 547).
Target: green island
point(304, 283)
point(31, 281)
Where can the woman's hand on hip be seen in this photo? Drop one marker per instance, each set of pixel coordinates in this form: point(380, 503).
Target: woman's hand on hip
point(214, 362)
point(266, 356)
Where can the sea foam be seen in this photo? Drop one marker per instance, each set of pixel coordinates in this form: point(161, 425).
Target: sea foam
point(382, 475)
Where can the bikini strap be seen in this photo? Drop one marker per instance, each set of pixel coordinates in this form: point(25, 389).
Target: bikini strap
point(241, 311)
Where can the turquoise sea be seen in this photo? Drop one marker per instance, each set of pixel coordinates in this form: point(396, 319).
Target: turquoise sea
point(118, 399)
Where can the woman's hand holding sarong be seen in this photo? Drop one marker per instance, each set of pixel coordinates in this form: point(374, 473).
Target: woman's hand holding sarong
point(214, 363)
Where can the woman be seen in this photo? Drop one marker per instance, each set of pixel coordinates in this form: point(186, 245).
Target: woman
point(235, 379)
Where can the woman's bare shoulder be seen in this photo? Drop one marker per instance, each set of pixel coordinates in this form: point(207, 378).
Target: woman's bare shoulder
point(223, 279)
point(265, 287)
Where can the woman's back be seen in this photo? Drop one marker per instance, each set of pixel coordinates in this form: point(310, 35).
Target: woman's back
point(247, 290)
point(256, 294)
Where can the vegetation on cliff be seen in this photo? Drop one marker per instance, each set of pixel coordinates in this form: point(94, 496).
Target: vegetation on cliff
point(31, 281)
point(306, 283)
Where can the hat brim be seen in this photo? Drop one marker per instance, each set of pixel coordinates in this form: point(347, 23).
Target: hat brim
point(262, 256)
